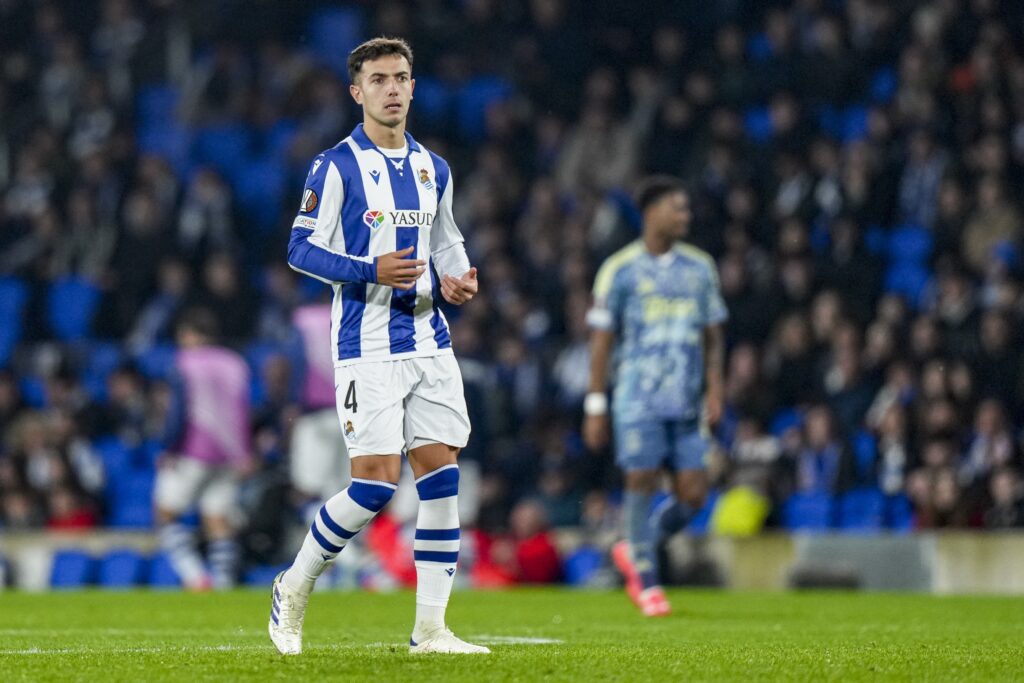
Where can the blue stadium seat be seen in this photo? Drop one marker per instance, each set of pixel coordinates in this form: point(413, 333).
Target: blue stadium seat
point(156, 362)
point(910, 244)
point(899, 513)
point(101, 359)
point(259, 188)
point(865, 453)
point(224, 147)
point(33, 391)
point(262, 575)
point(71, 304)
point(909, 280)
point(122, 568)
point(161, 573)
point(876, 239)
point(884, 85)
point(757, 122)
point(332, 33)
point(785, 419)
point(130, 500)
point(855, 123)
point(156, 104)
point(116, 455)
point(434, 100)
point(862, 510)
point(277, 141)
point(473, 101)
point(579, 566)
point(72, 569)
point(171, 142)
point(759, 48)
point(808, 512)
point(13, 295)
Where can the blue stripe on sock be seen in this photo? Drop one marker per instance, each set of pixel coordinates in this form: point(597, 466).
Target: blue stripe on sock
point(373, 497)
point(437, 534)
point(440, 484)
point(435, 556)
point(324, 543)
point(334, 527)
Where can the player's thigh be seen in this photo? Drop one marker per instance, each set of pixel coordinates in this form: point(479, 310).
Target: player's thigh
point(318, 459)
point(641, 444)
point(370, 398)
point(179, 483)
point(220, 494)
point(435, 411)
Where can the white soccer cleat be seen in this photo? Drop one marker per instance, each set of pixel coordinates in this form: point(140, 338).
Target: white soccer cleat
point(443, 641)
point(287, 610)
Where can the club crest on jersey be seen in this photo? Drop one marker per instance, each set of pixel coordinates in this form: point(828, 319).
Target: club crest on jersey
point(309, 200)
point(425, 179)
point(373, 219)
point(350, 431)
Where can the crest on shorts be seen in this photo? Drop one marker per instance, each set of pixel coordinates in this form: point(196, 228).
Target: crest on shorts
point(425, 179)
point(373, 219)
point(309, 200)
point(350, 431)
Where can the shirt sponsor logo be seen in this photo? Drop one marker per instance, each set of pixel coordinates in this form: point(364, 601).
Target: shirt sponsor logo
point(399, 219)
point(309, 200)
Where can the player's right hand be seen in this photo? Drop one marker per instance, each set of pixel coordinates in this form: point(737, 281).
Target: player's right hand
point(595, 431)
point(397, 270)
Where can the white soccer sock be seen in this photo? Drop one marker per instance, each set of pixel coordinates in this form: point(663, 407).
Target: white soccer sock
point(341, 518)
point(179, 544)
point(436, 547)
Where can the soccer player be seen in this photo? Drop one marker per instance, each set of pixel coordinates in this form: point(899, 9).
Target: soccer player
point(660, 300)
point(209, 451)
point(376, 223)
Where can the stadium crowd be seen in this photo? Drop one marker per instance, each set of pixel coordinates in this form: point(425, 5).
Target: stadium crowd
point(854, 167)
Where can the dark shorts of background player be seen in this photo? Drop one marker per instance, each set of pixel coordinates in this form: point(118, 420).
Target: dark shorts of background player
point(678, 445)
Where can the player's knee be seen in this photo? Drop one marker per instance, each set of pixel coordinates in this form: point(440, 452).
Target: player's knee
point(642, 481)
point(371, 495)
point(377, 468)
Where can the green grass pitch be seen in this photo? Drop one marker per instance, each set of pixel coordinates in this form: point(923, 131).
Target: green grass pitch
point(548, 634)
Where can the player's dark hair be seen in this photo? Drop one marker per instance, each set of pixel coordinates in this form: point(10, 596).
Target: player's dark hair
point(654, 187)
point(202, 321)
point(376, 48)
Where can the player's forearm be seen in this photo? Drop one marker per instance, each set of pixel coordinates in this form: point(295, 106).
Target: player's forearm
point(600, 354)
point(451, 260)
point(327, 265)
point(714, 357)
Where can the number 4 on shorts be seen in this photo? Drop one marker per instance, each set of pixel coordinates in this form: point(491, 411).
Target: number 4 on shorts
point(350, 397)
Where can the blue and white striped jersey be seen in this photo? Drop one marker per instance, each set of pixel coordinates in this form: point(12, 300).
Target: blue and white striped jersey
point(361, 202)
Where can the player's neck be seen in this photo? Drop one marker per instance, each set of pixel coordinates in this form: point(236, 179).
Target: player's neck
point(657, 244)
point(384, 136)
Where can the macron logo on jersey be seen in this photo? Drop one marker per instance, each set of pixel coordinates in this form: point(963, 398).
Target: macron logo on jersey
point(400, 219)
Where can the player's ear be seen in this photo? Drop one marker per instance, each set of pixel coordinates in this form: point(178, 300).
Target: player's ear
point(356, 92)
point(412, 87)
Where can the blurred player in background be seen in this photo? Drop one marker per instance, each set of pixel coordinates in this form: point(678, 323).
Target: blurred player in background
point(376, 224)
point(658, 300)
point(209, 452)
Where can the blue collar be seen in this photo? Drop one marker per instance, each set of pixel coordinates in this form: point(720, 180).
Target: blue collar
point(364, 142)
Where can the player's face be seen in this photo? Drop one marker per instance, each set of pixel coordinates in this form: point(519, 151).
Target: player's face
point(671, 215)
point(384, 89)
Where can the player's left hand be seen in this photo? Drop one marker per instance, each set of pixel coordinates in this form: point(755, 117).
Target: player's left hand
point(459, 290)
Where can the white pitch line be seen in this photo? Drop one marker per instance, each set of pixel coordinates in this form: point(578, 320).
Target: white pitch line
point(515, 640)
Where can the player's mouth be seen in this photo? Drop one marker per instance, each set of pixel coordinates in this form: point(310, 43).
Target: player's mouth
point(393, 107)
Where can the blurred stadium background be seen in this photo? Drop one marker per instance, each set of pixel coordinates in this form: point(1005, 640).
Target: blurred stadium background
point(855, 168)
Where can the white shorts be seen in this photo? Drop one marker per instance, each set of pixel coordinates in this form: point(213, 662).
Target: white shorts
point(183, 482)
point(387, 407)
